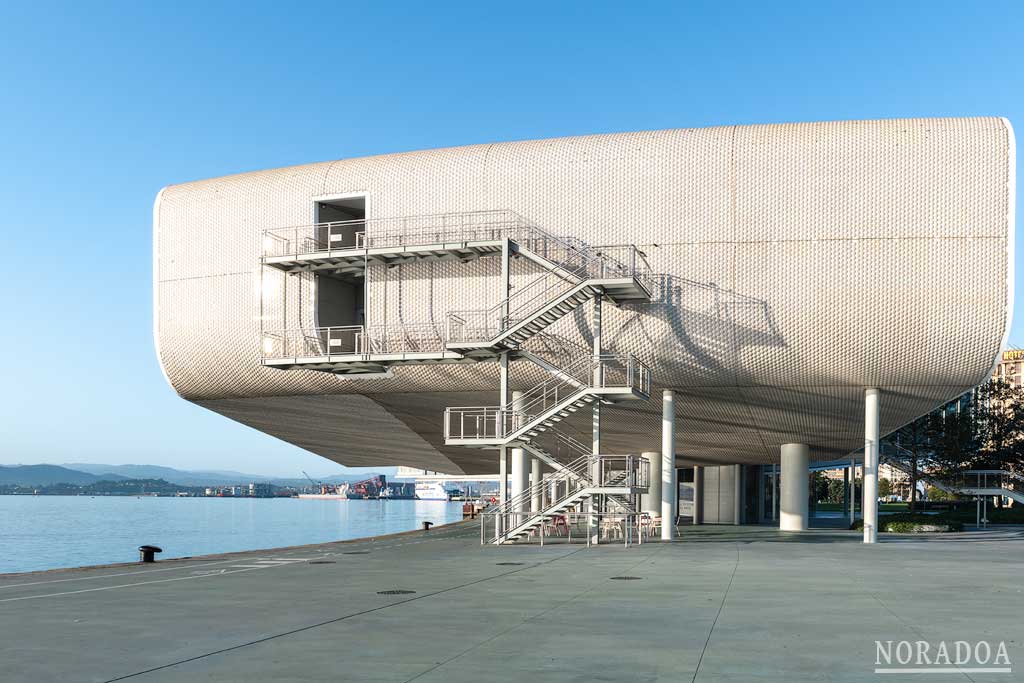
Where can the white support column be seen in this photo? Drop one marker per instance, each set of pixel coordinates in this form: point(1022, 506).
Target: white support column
point(853, 491)
point(794, 485)
point(668, 465)
point(737, 505)
point(598, 380)
point(520, 473)
point(869, 506)
point(502, 475)
point(698, 494)
point(653, 498)
point(502, 487)
point(535, 498)
point(520, 466)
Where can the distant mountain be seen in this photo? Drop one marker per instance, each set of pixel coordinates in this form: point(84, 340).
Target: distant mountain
point(44, 475)
point(169, 474)
point(204, 477)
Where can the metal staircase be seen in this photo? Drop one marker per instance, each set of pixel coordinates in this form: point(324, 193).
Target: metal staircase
point(571, 278)
point(967, 483)
point(608, 378)
point(571, 274)
point(587, 477)
point(561, 275)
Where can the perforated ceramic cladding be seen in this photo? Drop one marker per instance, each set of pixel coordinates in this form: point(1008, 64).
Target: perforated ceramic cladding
point(795, 264)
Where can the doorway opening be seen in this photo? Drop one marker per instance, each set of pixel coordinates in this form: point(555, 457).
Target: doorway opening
point(341, 300)
point(340, 222)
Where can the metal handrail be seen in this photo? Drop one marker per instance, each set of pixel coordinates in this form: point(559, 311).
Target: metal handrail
point(588, 471)
point(590, 372)
point(535, 297)
point(350, 340)
point(405, 231)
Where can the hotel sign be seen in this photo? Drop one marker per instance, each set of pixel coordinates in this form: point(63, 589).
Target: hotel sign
point(1016, 354)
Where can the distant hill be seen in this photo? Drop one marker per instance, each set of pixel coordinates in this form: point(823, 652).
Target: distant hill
point(45, 475)
point(203, 477)
point(169, 474)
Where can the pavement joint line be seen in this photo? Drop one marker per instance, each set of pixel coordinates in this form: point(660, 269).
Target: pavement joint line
point(132, 585)
point(336, 620)
point(110, 576)
point(531, 617)
point(714, 623)
point(349, 544)
point(901, 620)
point(238, 570)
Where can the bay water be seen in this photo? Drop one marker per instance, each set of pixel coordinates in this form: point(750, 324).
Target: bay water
point(49, 532)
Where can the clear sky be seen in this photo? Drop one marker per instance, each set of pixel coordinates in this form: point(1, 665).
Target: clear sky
point(102, 104)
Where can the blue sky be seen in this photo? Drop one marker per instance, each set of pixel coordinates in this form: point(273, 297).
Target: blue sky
point(102, 104)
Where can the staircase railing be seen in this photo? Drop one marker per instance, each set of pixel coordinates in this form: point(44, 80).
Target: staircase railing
point(571, 267)
point(498, 520)
point(961, 482)
point(560, 447)
point(584, 473)
point(493, 422)
point(348, 340)
point(406, 231)
point(987, 480)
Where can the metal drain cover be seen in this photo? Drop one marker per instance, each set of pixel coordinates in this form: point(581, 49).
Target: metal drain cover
point(508, 564)
point(395, 592)
point(357, 552)
point(625, 578)
point(321, 562)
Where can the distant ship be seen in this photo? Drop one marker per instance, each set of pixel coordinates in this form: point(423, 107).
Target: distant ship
point(430, 490)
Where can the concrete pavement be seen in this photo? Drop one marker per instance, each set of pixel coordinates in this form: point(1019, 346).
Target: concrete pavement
point(720, 604)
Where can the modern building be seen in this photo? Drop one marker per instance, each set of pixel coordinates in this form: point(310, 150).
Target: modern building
point(738, 302)
point(1011, 367)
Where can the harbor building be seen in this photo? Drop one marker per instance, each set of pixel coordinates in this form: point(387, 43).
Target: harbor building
point(603, 320)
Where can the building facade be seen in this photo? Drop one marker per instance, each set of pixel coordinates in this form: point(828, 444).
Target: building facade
point(763, 276)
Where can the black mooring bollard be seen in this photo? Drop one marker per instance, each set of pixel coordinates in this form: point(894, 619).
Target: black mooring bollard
point(147, 552)
point(427, 525)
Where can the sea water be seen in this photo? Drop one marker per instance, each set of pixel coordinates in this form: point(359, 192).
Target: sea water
point(48, 532)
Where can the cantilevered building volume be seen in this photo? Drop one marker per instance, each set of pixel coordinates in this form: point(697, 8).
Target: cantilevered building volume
point(784, 292)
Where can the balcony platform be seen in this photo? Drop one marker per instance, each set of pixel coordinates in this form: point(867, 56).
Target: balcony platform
point(352, 262)
point(371, 363)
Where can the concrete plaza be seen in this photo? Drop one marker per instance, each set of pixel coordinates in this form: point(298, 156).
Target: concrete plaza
point(721, 603)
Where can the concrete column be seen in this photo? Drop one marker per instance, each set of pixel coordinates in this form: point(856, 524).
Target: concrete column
point(502, 487)
point(502, 474)
point(520, 472)
point(846, 490)
point(698, 494)
point(668, 465)
point(869, 506)
point(538, 490)
point(853, 490)
point(737, 503)
point(653, 497)
point(794, 494)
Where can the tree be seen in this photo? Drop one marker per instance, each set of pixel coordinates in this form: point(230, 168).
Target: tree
point(819, 487)
point(956, 437)
point(884, 487)
point(1000, 417)
point(836, 490)
point(916, 439)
